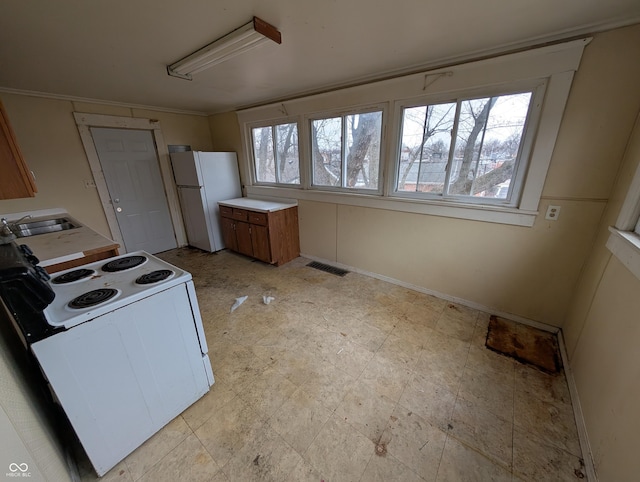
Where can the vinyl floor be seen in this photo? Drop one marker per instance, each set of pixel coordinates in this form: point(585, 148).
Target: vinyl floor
point(352, 379)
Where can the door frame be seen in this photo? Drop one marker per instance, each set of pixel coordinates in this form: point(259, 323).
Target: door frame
point(84, 122)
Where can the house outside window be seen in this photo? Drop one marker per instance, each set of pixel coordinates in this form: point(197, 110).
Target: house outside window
point(469, 149)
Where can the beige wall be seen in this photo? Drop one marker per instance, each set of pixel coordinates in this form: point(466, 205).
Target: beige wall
point(602, 334)
point(600, 256)
point(225, 132)
point(606, 368)
point(528, 272)
point(225, 135)
point(49, 139)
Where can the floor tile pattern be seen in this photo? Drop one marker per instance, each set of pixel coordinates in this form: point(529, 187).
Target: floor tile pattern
point(352, 379)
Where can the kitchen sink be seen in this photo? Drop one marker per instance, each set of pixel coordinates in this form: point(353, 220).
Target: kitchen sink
point(33, 228)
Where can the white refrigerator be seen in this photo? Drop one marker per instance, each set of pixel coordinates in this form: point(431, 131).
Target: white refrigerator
point(203, 179)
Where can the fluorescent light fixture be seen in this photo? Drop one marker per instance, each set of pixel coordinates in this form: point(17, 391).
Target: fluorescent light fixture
point(244, 38)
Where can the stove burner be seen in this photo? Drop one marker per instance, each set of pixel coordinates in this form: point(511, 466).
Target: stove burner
point(92, 298)
point(154, 277)
point(122, 264)
point(71, 276)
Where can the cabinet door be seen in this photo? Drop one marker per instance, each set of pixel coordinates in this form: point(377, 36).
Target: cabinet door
point(16, 180)
point(229, 234)
point(260, 243)
point(243, 236)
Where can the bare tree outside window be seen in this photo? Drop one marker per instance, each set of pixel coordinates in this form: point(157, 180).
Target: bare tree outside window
point(326, 151)
point(263, 154)
point(275, 152)
point(479, 161)
point(287, 159)
point(426, 138)
point(346, 150)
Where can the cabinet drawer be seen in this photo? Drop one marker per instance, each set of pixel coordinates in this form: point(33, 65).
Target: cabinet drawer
point(226, 211)
point(240, 214)
point(258, 218)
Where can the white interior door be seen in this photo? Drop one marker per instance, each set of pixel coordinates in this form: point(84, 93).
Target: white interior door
point(130, 165)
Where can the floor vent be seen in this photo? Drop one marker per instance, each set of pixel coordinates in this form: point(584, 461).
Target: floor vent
point(327, 268)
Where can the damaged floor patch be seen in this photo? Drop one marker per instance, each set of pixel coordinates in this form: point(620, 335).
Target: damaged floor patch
point(524, 343)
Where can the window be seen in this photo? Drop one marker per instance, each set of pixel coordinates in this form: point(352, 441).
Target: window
point(345, 151)
point(466, 149)
point(469, 141)
point(275, 151)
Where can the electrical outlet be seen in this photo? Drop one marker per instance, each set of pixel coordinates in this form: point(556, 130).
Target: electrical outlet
point(89, 183)
point(552, 213)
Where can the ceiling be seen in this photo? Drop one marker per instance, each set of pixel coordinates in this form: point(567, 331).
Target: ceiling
point(118, 50)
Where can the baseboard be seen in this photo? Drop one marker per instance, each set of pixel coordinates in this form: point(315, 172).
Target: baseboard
point(453, 299)
point(585, 446)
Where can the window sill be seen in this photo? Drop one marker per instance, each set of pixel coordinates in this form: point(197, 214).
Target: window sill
point(491, 214)
point(625, 246)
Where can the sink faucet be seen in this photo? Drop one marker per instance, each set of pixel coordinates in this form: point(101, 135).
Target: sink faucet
point(6, 232)
point(14, 223)
point(6, 235)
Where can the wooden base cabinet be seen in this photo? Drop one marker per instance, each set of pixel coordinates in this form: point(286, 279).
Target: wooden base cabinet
point(271, 237)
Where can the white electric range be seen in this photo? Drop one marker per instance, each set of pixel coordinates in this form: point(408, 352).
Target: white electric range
point(130, 353)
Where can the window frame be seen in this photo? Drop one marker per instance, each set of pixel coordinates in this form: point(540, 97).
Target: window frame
point(537, 87)
point(343, 113)
point(557, 63)
point(272, 123)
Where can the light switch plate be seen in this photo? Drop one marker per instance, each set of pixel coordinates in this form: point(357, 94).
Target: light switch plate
point(552, 213)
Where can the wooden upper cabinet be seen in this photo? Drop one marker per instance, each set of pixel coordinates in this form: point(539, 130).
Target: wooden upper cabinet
point(16, 181)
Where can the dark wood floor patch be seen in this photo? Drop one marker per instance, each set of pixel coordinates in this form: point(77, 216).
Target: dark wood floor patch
point(524, 343)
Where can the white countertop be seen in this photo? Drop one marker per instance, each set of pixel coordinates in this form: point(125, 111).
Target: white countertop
point(54, 248)
point(61, 246)
point(260, 205)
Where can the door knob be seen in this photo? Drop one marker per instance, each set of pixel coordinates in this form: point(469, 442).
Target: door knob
point(119, 209)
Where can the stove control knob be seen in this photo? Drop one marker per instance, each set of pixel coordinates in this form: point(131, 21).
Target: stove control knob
point(32, 259)
point(26, 250)
point(28, 254)
point(42, 273)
